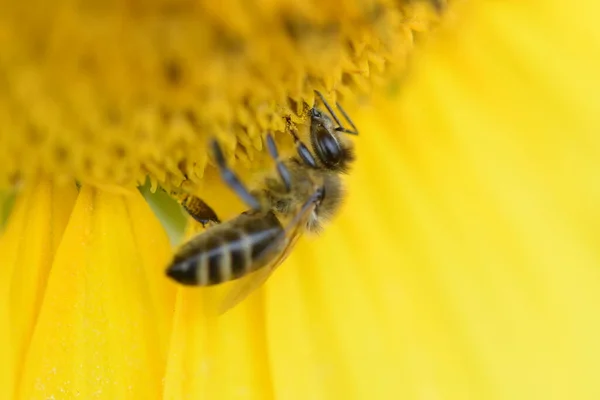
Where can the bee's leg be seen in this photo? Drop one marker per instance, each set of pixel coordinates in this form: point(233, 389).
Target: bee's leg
point(282, 170)
point(200, 211)
point(303, 151)
point(339, 128)
point(231, 179)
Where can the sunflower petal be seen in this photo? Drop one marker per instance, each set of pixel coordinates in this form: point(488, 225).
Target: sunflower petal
point(465, 264)
point(217, 357)
point(103, 326)
point(27, 246)
point(7, 200)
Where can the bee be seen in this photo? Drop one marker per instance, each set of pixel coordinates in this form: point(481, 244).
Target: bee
point(301, 194)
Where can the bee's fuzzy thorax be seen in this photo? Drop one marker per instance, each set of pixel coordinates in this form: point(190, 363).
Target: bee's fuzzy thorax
point(305, 181)
point(329, 206)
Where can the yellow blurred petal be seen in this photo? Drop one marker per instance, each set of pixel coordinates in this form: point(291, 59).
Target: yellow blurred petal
point(465, 264)
point(217, 358)
point(102, 329)
point(27, 247)
point(7, 199)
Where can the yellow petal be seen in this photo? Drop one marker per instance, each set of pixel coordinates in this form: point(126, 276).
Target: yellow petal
point(27, 248)
point(465, 264)
point(103, 326)
point(7, 199)
point(222, 358)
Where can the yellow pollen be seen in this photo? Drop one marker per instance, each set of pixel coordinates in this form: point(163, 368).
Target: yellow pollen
point(110, 92)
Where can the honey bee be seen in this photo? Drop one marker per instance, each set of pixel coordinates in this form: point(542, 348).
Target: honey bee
point(302, 193)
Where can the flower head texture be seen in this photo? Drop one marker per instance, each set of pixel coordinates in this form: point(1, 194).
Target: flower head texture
point(464, 263)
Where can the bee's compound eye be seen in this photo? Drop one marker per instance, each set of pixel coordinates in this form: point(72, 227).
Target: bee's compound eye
point(328, 148)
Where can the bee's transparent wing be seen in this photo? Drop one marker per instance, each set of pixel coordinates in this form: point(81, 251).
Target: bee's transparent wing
point(292, 233)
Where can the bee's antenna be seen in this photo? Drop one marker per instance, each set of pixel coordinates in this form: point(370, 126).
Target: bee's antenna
point(339, 128)
point(355, 131)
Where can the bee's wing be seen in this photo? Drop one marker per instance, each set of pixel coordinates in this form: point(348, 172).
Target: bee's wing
point(292, 233)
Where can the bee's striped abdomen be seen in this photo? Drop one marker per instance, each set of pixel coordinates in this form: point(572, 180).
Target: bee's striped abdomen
point(227, 251)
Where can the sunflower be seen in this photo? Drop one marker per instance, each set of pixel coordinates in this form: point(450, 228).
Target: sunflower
point(464, 264)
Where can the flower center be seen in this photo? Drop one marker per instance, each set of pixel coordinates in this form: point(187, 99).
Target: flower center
point(116, 92)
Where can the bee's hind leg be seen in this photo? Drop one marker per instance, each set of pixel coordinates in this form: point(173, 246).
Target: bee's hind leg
point(200, 211)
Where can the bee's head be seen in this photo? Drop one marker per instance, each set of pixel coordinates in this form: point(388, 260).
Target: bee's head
point(334, 152)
